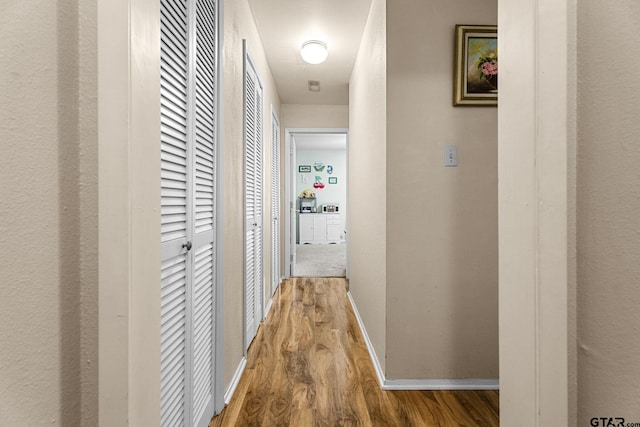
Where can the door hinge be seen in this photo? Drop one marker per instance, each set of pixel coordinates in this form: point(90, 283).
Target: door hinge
point(291, 258)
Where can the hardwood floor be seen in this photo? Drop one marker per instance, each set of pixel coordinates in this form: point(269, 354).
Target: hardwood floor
point(309, 366)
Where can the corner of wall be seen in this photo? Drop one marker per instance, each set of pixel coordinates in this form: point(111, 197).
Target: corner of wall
point(367, 179)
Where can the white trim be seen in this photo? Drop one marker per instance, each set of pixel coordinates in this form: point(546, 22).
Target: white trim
point(235, 381)
point(372, 352)
point(268, 307)
point(418, 384)
point(218, 394)
point(536, 181)
point(442, 384)
point(289, 188)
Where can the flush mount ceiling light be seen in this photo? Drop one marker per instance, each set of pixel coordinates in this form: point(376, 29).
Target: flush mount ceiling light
point(314, 51)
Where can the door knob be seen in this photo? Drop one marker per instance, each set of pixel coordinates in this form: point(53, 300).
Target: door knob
point(187, 245)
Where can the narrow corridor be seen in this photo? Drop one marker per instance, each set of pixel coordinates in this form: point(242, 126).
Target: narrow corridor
point(309, 366)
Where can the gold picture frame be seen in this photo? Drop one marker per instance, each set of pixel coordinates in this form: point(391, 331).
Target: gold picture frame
point(475, 80)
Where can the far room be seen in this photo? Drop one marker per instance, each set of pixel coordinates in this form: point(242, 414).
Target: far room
point(320, 194)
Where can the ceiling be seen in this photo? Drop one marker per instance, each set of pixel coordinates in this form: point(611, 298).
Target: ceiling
point(285, 24)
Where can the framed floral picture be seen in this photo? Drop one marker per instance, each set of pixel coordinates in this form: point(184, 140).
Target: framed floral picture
point(476, 65)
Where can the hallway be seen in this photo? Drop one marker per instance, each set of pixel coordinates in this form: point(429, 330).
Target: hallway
point(309, 366)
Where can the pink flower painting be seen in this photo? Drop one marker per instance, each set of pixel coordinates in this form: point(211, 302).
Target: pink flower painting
point(476, 65)
point(490, 68)
point(482, 61)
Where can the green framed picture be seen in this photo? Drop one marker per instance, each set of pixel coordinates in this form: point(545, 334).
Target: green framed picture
point(333, 180)
point(304, 169)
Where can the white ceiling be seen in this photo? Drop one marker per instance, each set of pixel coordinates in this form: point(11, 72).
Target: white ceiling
point(309, 141)
point(285, 24)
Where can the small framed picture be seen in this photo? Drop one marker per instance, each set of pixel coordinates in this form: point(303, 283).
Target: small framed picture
point(304, 169)
point(476, 65)
point(333, 180)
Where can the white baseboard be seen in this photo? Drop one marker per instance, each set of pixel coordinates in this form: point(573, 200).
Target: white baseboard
point(268, 307)
point(234, 381)
point(442, 384)
point(372, 352)
point(418, 384)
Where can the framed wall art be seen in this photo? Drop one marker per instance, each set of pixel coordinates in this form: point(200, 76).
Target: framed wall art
point(476, 65)
point(304, 169)
point(333, 180)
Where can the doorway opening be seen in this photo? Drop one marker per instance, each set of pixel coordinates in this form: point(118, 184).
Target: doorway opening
point(316, 177)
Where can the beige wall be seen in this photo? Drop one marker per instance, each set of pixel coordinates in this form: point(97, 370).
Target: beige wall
point(367, 147)
point(48, 356)
point(30, 320)
point(239, 25)
point(88, 211)
point(314, 116)
point(608, 216)
point(442, 223)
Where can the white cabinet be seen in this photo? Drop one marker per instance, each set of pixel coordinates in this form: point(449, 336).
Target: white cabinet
point(333, 227)
point(318, 228)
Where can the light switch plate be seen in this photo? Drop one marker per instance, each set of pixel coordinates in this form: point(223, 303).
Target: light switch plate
point(450, 156)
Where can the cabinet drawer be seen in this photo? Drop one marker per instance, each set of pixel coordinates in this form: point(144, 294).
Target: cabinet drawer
point(333, 216)
point(333, 221)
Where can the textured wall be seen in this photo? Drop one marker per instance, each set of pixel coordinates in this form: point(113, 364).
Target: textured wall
point(608, 211)
point(48, 359)
point(29, 249)
point(79, 198)
point(442, 223)
point(367, 179)
point(239, 25)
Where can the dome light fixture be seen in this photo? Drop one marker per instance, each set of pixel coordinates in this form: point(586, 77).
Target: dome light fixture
point(314, 51)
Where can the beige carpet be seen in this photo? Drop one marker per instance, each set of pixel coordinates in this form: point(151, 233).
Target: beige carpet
point(321, 260)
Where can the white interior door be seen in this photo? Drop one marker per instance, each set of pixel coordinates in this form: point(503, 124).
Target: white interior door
point(204, 173)
point(253, 168)
point(188, 190)
point(275, 202)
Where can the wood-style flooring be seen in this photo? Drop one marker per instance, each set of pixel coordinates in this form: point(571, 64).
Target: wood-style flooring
point(309, 366)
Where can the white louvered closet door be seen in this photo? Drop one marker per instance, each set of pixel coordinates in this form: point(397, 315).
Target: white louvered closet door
point(188, 147)
point(275, 202)
point(253, 199)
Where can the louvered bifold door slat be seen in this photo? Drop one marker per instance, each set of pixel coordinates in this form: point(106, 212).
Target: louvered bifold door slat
point(203, 321)
point(175, 222)
point(259, 286)
point(253, 200)
point(275, 203)
point(251, 323)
